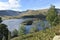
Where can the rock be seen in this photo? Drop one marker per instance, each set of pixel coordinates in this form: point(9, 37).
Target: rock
point(57, 37)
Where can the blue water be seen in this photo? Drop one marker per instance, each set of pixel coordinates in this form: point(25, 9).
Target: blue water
point(15, 24)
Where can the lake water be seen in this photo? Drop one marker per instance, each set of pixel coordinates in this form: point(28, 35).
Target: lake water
point(15, 23)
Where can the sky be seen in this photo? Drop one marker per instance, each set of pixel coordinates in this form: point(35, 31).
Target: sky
point(22, 5)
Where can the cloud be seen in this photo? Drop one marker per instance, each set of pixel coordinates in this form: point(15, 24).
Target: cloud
point(11, 4)
point(4, 5)
point(14, 3)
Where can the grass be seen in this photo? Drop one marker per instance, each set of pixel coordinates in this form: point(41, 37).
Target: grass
point(46, 34)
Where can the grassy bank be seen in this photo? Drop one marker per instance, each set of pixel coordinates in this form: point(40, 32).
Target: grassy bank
point(46, 34)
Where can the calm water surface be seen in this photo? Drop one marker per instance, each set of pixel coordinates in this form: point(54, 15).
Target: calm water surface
point(15, 23)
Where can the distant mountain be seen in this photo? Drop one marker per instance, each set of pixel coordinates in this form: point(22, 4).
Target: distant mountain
point(9, 13)
point(25, 14)
point(58, 10)
point(35, 12)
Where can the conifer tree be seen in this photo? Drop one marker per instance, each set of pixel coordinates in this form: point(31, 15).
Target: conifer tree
point(22, 30)
point(52, 16)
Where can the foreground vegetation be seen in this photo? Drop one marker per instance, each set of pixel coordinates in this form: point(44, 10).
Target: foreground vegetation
point(46, 34)
point(3, 31)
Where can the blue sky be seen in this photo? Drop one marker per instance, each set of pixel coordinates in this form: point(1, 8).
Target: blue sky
point(20, 5)
point(3, 0)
